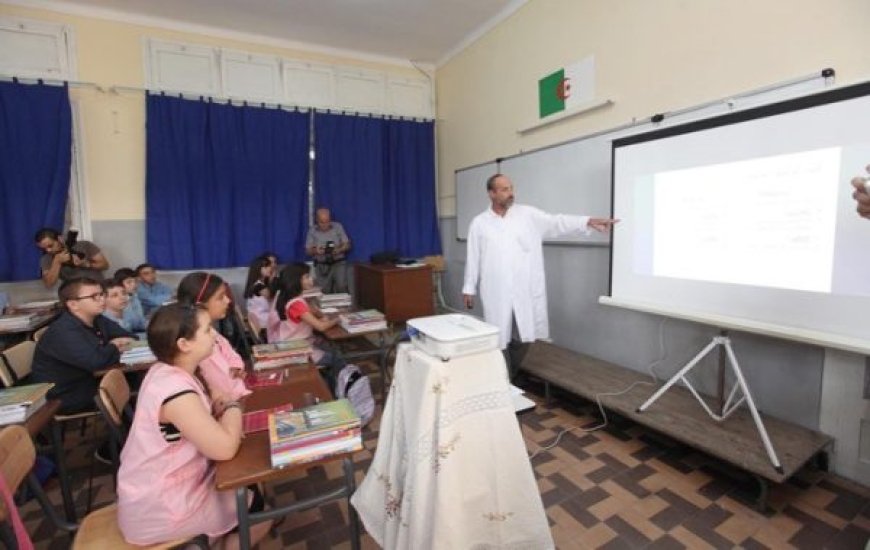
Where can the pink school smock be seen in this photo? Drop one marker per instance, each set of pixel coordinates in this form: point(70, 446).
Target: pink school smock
point(293, 327)
point(166, 488)
point(217, 369)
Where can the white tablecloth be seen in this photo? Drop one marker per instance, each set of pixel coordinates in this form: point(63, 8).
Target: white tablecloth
point(451, 469)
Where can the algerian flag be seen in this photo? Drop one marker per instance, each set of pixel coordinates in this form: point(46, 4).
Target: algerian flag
point(567, 88)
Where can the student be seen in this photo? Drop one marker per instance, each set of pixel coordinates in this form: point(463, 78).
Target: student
point(118, 310)
point(258, 294)
point(223, 369)
point(127, 277)
point(79, 342)
point(166, 485)
point(293, 318)
point(85, 259)
point(152, 293)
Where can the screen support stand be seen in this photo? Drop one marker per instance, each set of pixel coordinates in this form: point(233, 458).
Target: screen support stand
point(731, 403)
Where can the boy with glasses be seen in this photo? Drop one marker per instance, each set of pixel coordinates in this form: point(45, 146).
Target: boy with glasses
point(79, 342)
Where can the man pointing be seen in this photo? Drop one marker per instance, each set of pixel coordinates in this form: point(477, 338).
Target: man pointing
point(506, 258)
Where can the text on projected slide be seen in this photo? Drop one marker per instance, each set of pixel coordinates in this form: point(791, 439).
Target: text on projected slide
point(764, 222)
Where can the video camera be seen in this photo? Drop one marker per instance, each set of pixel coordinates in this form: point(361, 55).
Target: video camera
point(72, 237)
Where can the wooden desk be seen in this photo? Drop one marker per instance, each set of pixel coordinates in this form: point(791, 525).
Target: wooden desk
point(252, 464)
point(401, 293)
point(35, 324)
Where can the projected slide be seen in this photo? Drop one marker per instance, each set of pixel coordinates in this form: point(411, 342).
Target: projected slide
point(766, 222)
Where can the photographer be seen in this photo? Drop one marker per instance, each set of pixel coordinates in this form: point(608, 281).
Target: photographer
point(327, 243)
point(68, 259)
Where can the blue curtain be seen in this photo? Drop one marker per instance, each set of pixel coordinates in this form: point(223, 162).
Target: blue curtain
point(411, 221)
point(349, 177)
point(35, 158)
point(223, 183)
point(378, 178)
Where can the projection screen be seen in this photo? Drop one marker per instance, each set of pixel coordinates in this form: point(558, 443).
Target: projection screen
point(746, 220)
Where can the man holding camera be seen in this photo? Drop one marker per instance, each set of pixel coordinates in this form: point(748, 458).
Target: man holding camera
point(327, 243)
point(68, 259)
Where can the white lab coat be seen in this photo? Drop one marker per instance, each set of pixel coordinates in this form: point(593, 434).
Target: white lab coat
point(505, 256)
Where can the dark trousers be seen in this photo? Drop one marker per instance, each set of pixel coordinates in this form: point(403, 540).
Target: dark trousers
point(515, 352)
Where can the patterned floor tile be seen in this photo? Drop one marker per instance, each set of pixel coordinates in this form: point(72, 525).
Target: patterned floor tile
point(619, 488)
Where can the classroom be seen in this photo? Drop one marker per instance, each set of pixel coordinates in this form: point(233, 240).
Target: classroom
point(201, 135)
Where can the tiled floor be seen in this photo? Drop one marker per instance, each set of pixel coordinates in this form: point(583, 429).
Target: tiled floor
point(622, 487)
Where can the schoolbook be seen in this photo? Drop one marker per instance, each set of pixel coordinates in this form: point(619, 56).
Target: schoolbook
point(281, 349)
point(312, 433)
point(18, 403)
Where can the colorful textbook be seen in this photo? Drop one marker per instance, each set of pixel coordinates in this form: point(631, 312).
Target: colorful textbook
point(313, 433)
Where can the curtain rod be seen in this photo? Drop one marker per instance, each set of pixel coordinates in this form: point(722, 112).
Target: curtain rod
point(53, 81)
point(265, 104)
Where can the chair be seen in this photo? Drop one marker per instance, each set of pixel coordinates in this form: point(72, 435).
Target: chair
point(98, 530)
point(113, 402)
point(38, 334)
point(17, 362)
point(257, 332)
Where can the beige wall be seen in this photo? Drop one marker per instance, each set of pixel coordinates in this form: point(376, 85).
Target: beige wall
point(651, 56)
point(112, 126)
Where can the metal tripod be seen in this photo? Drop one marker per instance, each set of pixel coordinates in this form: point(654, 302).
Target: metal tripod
point(731, 403)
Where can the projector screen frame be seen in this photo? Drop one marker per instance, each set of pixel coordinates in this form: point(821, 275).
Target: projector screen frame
point(809, 336)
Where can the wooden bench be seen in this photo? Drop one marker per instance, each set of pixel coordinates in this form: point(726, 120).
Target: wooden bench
point(677, 415)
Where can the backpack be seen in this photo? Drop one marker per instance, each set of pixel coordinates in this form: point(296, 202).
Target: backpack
point(356, 387)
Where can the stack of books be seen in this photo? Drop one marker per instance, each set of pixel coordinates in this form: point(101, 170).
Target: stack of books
point(334, 301)
point(313, 433)
point(18, 403)
point(281, 354)
point(367, 320)
point(18, 321)
point(40, 307)
point(138, 353)
point(312, 293)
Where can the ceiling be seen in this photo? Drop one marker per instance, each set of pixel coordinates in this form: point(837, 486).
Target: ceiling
point(422, 31)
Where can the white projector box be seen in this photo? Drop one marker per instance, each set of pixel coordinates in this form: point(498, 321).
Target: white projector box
point(453, 335)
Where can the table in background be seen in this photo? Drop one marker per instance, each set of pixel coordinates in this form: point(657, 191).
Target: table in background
point(400, 293)
point(252, 464)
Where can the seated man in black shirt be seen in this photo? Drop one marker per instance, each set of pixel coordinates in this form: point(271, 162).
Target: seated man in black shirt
point(79, 342)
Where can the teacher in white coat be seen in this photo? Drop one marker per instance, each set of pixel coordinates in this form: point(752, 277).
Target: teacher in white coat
point(506, 258)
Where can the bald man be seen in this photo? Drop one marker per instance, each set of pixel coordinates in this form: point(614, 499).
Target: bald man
point(328, 244)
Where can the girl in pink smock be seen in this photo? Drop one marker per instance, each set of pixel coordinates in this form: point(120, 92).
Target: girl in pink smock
point(166, 485)
point(224, 369)
point(292, 318)
point(258, 289)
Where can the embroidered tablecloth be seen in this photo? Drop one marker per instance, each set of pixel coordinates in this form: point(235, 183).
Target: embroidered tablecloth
point(451, 470)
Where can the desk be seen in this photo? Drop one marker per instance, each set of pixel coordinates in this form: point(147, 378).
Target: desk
point(451, 469)
point(401, 293)
point(252, 464)
point(35, 324)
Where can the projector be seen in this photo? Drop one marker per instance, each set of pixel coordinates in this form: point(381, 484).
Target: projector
point(453, 335)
